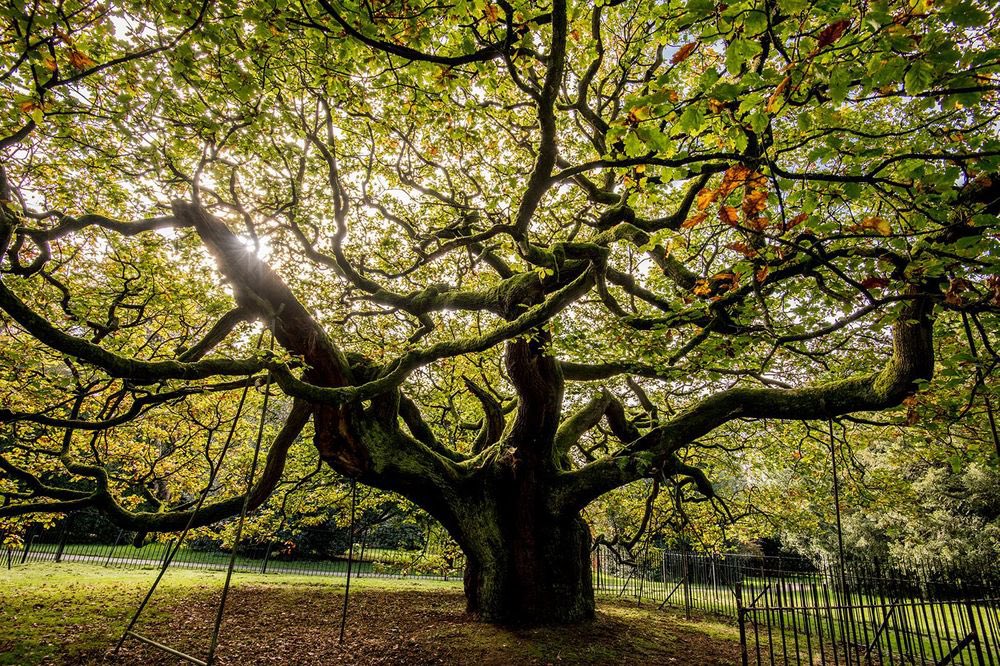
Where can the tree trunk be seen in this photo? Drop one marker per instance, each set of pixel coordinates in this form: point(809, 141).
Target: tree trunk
point(528, 568)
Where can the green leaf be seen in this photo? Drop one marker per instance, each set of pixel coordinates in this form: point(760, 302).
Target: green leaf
point(634, 146)
point(840, 81)
point(918, 78)
point(691, 120)
point(739, 52)
point(965, 14)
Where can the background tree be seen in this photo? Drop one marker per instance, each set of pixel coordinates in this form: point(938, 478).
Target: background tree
point(610, 229)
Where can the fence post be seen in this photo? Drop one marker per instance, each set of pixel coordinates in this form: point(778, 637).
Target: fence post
point(62, 540)
point(741, 617)
point(597, 556)
point(10, 557)
point(27, 547)
point(267, 557)
point(112, 551)
point(975, 633)
point(166, 551)
point(686, 571)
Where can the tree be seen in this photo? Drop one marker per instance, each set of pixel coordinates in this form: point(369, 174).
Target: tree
point(608, 229)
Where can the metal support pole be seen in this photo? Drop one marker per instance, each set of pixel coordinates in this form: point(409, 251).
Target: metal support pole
point(741, 615)
point(350, 558)
point(62, 540)
point(113, 548)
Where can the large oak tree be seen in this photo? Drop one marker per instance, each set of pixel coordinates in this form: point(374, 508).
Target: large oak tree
point(595, 233)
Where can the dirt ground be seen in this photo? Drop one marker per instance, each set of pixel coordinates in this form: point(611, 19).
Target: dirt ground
point(284, 625)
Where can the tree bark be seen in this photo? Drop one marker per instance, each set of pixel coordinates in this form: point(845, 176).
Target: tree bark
point(525, 565)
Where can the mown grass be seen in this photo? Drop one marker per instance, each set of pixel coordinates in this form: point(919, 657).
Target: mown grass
point(77, 608)
point(73, 613)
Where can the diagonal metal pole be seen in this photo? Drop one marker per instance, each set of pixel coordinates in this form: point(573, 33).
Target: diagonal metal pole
point(350, 558)
point(239, 526)
point(171, 552)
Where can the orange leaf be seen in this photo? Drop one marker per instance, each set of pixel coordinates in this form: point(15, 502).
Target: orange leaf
point(80, 60)
point(701, 288)
point(754, 201)
point(705, 197)
point(743, 249)
point(492, 13)
point(683, 53)
point(728, 215)
point(694, 221)
point(735, 176)
point(761, 273)
point(795, 221)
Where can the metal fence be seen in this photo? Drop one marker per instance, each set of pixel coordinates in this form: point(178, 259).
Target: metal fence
point(309, 552)
point(790, 611)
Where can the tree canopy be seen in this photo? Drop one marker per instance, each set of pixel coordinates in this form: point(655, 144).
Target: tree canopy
point(513, 256)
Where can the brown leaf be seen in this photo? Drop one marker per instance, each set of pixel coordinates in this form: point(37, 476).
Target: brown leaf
point(742, 248)
point(831, 33)
point(683, 53)
point(877, 224)
point(874, 282)
point(725, 281)
point(728, 215)
point(955, 288)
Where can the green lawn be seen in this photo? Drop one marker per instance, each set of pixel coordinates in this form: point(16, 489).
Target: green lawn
point(77, 608)
point(72, 613)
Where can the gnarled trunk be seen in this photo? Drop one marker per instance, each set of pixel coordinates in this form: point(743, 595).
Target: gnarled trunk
point(525, 566)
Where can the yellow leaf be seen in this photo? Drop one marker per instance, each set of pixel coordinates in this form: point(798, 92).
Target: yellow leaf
point(775, 98)
point(877, 224)
point(638, 114)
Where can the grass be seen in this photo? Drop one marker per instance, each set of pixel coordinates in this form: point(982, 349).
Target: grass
point(77, 608)
point(72, 613)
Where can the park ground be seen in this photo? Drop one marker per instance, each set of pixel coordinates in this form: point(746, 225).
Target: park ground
point(73, 613)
